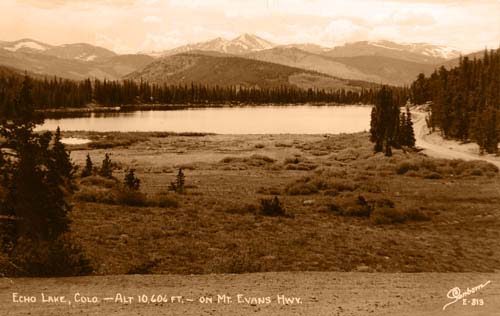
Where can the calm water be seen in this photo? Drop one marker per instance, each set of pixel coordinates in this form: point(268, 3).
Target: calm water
point(237, 120)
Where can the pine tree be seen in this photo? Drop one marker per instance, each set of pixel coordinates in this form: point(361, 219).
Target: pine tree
point(465, 100)
point(402, 131)
point(106, 167)
point(61, 157)
point(178, 185)
point(409, 131)
point(89, 167)
point(131, 181)
point(385, 121)
point(33, 197)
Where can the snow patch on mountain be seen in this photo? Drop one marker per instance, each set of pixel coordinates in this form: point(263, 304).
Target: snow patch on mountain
point(242, 44)
point(419, 48)
point(26, 44)
point(85, 57)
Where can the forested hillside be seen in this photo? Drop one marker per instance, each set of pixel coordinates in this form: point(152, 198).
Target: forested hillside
point(465, 100)
point(63, 93)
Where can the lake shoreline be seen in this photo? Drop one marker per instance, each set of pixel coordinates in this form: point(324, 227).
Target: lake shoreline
point(273, 119)
point(57, 113)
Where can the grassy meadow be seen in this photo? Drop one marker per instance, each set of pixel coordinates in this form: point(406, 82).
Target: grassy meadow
point(346, 209)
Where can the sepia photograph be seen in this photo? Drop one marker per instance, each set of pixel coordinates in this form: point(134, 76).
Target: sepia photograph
point(250, 157)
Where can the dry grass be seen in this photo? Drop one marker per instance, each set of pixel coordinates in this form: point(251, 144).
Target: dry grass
point(417, 221)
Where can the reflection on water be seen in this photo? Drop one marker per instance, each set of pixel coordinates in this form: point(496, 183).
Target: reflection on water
point(74, 141)
point(302, 119)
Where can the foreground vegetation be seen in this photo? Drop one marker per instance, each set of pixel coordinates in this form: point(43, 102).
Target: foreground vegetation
point(339, 207)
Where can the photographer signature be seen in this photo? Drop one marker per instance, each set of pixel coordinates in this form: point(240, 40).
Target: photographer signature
point(455, 294)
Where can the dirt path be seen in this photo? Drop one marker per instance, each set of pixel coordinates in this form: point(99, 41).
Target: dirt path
point(317, 293)
point(435, 146)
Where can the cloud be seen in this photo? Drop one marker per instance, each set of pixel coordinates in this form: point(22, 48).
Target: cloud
point(47, 4)
point(152, 19)
point(132, 25)
point(412, 18)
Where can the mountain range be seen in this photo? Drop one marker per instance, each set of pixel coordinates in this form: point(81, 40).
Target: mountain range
point(245, 60)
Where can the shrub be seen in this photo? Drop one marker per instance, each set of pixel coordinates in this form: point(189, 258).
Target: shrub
point(383, 202)
point(269, 190)
point(99, 182)
point(417, 215)
point(95, 195)
point(291, 160)
point(272, 207)
point(242, 209)
point(342, 185)
point(304, 166)
point(390, 215)
point(131, 181)
point(474, 167)
point(351, 206)
point(301, 188)
point(126, 196)
point(165, 200)
point(254, 160)
point(60, 257)
point(405, 166)
point(433, 176)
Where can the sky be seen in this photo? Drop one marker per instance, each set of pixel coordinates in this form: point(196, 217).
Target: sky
point(129, 26)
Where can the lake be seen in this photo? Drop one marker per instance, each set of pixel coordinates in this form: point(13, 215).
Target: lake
point(303, 119)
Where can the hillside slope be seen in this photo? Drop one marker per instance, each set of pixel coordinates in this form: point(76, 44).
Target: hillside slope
point(223, 70)
point(388, 70)
point(294, 57)
point(113, 67)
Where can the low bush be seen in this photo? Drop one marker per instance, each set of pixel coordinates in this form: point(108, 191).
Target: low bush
point(390, 215)
point(269, 191)
point(272, 207)
point(254, 160)
point(437, 168)
point(122, 195)
point(165, 200)
point(432, 176)
point(60, 257)
point(318, 182)
point(301, 188)
point(405, 166)
point(245, 208)
point(351, 205)
point(95, 195)
point(304, 166)
point(292, 160)
point(130, 197)
point(99, 182)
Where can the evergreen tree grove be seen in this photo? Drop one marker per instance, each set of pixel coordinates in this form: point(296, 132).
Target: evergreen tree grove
point(465, 100)
point(32, 187)
point(61, 93)
point(384, 124)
